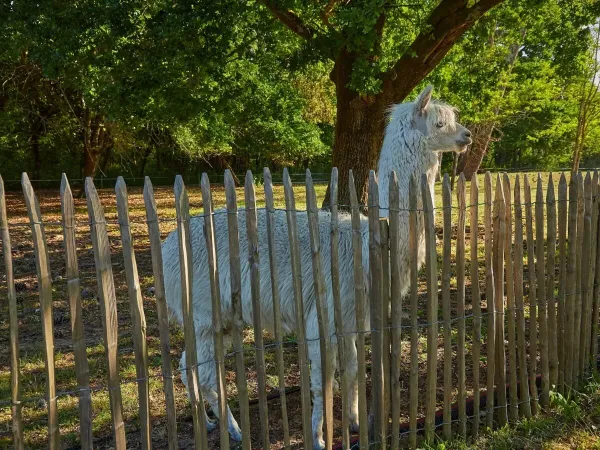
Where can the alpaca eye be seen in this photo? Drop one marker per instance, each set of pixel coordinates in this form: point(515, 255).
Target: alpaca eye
point(439, 125)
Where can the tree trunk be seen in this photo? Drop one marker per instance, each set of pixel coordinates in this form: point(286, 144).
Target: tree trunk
point(359, 132)
point(36, 132)
point(471, 160)
point(145, 160)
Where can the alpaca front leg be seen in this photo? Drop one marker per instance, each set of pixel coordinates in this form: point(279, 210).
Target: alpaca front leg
point(316, 386)
point(351, 373)
point(210, 423)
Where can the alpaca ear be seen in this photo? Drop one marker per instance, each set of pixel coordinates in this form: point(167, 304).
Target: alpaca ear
point(423, 100)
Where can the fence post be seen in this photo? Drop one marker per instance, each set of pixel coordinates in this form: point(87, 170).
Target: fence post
point(15, 372)
point(414, 307)
point(499, 246)
point(593, 328)
point(525, 400)
point(161, 310)
point(384, 231)
point(550, 278)
point(254, 262)
point(475, 300)
point(596, 279)
point(273, 265)
point(586, 261)
point(490, 302)
point(137, 313)
point(376, 294)
point(570, 284)
point(447, 255)
point(292, 223)
point(186, 264)
point(217, 321)
point(108, 307)
point(510, 303)
point(396, 306)
point(461, 194)
point(42, 263)
point(78, 335)
point(542, 300)
point(322, 308)
point(562, 280)
point(578, 268)
point(532, 297)
point(432, 309)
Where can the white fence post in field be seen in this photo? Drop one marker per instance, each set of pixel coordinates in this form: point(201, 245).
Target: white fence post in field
point(42, 263)
point(182, 207)
point(432, 310)
point(217, 321)
point(236, 306)
point(292, 223)
point(161, 311)
point(108, 307)
point(359, 293)
point(138, 317)
point(15, 371)
point(78, 335)
point(253, 259)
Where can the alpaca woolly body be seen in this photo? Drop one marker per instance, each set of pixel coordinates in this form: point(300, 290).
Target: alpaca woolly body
point(415, 133)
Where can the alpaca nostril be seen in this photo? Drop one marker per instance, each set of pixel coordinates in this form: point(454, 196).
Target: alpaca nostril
point(467, 133)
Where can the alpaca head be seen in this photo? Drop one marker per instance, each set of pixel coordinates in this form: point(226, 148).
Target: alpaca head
point(436, 121)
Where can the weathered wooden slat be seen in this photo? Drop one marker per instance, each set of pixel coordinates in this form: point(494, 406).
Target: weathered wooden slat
point(138, 318)
point(254, 262)
point(562, 279)
point(384, 231)
point(217, 321)
point(531, 275)
point(446, 307)
point(596, 279)
point(292, 223)
point(578, 280)
point(15, 371)
point(499, 247)
point(461, 194)
point(396, 307)
point(108, 308)
point(475, 302)
point(524, 400)
point(586, 262)
point(414, 309)
point(161, 311)
point(273, 265)
point(550, 280)
point(571, 284)
point(510, 303)
point(42, 264)
point(432, 310)
point(490, 302)
point(322, 309)
point(182, 207)
point(593, 270)
point(542, 300)
point(376, 295)
point(78, 335)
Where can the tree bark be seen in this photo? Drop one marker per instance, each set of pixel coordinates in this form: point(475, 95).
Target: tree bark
point(470, 161)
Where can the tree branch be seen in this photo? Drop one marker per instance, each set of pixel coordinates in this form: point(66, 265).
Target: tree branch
point(444, 26)
point(289, 19)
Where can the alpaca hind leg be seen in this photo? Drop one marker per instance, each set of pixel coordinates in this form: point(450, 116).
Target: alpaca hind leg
point(351, 371)
point(210, 423)
point(207, 379)
point(316, 386)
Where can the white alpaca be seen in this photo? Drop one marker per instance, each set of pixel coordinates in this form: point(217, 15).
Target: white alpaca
point(415, 134)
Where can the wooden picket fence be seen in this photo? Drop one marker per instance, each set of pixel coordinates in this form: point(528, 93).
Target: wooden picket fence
point(525, 332)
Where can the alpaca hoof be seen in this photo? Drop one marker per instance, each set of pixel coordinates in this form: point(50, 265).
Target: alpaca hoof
point(211, 424)
point(354, 426)
point(235, 433)
point(319, 444)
